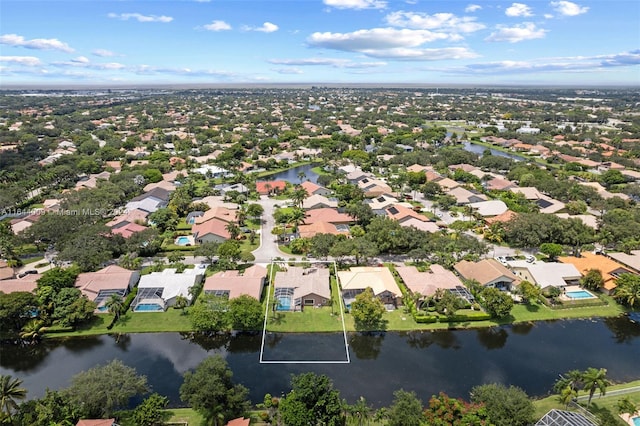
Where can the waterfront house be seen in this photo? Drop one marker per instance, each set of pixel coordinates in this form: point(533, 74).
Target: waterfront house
point(426, 283)
point(379, 279)
point(100, 285)
point(270, 187)
point(549, 274)
point(232, 284)
point(159, 290)
point(314, 188)
point(297, 287)
point(487, 272)
point(609, 268)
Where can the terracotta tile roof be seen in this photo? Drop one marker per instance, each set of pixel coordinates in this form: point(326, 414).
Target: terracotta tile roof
point(326, 215)
point(401, 213)
point(311, 187)
point(264, 187)
point(213, 227)
point(379, 279)
point(240, 421)
point(249, 282)
point(308, 231)
point(485, 271)
point(605, 265)
point(304, 281)
point(504, 217)
point(28, 283)
point(98, 422)
point(6, 271)
point(112, 277)
point(426, 283)
point(128, 230)
point(221, 213)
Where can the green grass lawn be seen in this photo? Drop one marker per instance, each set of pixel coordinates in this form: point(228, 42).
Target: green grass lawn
point(598, 404)
point(185, 415)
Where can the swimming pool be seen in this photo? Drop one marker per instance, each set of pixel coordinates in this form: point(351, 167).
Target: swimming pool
point(148, 307)
point(636, 421)
point(579, 294)
point(103, 308)
point(284, 303)
point(183, 241)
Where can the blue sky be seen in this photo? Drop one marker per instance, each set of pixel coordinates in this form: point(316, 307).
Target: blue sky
point(319, 41)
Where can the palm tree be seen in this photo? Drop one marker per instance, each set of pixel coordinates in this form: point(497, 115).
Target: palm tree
point(626, 406)
point(241, 216)
point(595, 379)
point(567, 395)
point(571, 379)
point(32, 331)
point(360, 411)
point(628, 290)
point(297, 217)
point(181, 303)
point(10, 392)
point(115, 306)
point(233, 230)
point(299, 195)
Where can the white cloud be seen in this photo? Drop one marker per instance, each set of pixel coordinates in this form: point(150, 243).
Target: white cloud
point(548, 16)
point(374, 39)
point(333, 62)
point(472, 8)
point(103, 53)
point(525, 31)
point(217, 25)
point(437, 21)
point(561, 64)
point(140, 17)
point(409, 54)
point(567, 8)
point(356, 4)
point(518, 9)
point(29, 61)
point(81, 60)
point(267, 27)
point(36, 43)
point(288, 71)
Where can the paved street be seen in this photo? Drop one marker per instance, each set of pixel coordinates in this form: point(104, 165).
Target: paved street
point(268, 242)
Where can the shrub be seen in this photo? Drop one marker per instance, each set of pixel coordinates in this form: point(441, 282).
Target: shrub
point(425, 319)
point(129, 299)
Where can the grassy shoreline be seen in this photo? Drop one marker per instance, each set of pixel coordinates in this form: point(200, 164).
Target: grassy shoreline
point(320, 320)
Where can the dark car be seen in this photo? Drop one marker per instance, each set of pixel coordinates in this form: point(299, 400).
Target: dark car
point(25, 273)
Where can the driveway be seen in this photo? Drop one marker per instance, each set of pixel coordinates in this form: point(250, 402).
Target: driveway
point(268, 242)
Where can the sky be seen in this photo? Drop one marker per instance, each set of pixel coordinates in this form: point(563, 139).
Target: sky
point(218, 42)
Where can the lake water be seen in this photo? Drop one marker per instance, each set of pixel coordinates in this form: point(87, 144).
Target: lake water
point(529, 355)
point(480, 149)
point(293, 175)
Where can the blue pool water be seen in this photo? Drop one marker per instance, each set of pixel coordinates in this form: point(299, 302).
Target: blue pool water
point(182, 241)
point(103, 308)
point(636, 421)
point(285, 304)
point(148, 307)
point(580, 294)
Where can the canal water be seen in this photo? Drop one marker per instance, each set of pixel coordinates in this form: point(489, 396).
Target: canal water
point(480, 149)
point(296, 175)
point(528, 355)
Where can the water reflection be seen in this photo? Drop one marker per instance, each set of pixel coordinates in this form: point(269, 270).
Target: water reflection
point(235, 343)
point(296, 175)
point(623, 330)
point(121, 340)
point(366, 345)
point(492, 337)
point(522, 328)
point(445, 339)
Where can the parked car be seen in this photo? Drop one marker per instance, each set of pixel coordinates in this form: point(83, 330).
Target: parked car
point(28, 272)
point(529, 258)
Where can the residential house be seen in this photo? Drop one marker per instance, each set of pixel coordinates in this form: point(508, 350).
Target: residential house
point(298, 287)
point(426, 283)
point(589, 220)
point(131, 216)
point(402, 213)
point(464, 196)
point(128, 229)
point(488, 272)
point(567, 418)
point(447, 184)
point(6, 271)
point(373, 187)
point(318, 201)
point(315, 228)
point(499, 184)
point(212, 171)
point(382, 202)
point(315, 189)
point(489, 208)
point(18, 225)
point(603, 192)
point(166, 185)
point(221, 213)
point(630, 260)
point(92, 181)
point(609, 268)
point(237, 187)
point(240, 421)
point(416, 168)
point(501, 218)
point(327, 215)
point(379, 279)
point(28, 283)
point(150, 201)
point(270, 187)
point(100, 285)
point(213, 230)
point(549, 274)
point(421, 225)
point(232, 284)
point(159, 290)
point(97, 422)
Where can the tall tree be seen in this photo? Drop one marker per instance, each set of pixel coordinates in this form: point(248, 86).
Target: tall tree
point(628, 290)
point(595, 379)
point(10, 392)
point(246, 313)
point(506, 406)
point(298, 195)
point(367, 311)
point(106, 388)
point(312, 401)
point(406, 409)
point(151, 411)
point(210, 390)
point(592, 279)
point(115, 306)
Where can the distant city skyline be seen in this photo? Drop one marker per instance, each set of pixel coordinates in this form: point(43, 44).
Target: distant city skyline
point(236, 42)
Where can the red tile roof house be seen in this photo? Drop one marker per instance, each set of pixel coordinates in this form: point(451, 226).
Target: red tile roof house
point(313, 229)
point(240, 421)
point(302, 287)
point(235, 283)
point(270, 187)
point(426, 283)
point(327, 215)
point(488, 272)
point(128, 230)
point(315, 189)
point(6, 271)
point(28, 284)
point(100, 285)
point(402, 214)
point(212, 230)
point(97, 422)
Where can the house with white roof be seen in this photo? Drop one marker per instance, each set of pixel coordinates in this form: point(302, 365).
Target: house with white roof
point(159, 290)
point(547, 274)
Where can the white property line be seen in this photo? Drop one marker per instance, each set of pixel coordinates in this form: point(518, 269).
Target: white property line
point(266, 313)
